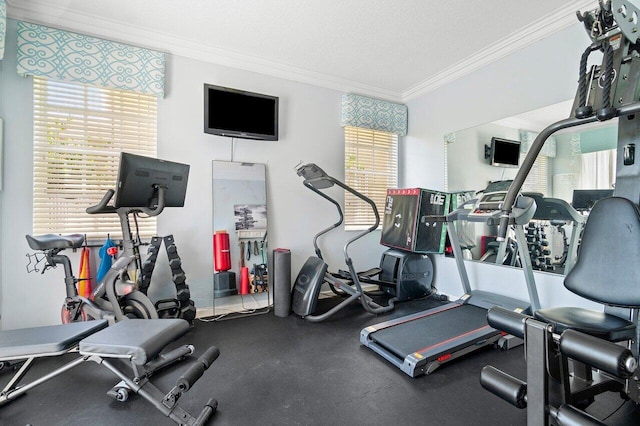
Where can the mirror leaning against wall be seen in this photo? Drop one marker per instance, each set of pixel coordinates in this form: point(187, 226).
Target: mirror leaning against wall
point(240, 276)
point(576, 168)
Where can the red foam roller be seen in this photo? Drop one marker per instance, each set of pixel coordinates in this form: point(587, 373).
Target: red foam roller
point(221, 251)
point(244, 280)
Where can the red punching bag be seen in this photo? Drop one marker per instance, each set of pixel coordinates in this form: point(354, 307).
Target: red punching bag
point(221, 251)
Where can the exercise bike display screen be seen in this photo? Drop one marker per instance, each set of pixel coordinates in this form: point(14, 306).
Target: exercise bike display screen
point(139, 177)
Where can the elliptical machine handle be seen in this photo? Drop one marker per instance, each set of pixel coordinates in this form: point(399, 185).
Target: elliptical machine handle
point(102, 207)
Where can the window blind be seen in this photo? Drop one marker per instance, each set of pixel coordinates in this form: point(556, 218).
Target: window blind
point(538, 178)
point(79, 132)
point(371, 167)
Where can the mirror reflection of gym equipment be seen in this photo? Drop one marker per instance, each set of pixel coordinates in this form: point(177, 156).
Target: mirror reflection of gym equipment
point(576, 162)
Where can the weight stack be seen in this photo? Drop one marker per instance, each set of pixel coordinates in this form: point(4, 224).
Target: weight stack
point(281, 274)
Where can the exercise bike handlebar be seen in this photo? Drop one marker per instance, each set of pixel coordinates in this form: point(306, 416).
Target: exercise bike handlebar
point(103, 208)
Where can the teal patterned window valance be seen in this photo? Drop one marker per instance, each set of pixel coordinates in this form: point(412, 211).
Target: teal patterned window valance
point(66, 56)
point(374, 114)
point(3, 26)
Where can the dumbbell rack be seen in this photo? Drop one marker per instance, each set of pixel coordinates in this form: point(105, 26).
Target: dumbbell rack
point(538, 247)
point(182, 306)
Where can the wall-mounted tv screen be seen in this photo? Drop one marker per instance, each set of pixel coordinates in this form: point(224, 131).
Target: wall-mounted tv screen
point(505, 153)
point(240, 114)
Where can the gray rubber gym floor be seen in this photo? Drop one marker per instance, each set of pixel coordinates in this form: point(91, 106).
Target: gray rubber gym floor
point(285, 371)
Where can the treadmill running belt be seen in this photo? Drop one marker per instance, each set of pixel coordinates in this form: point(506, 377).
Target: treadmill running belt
point(412, 336)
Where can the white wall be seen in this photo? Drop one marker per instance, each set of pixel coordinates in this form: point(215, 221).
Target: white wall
point(309, 131)
point(542, 74)
point(539, 75)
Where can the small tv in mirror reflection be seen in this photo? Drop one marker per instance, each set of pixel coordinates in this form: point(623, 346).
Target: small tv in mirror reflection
point(504, 152)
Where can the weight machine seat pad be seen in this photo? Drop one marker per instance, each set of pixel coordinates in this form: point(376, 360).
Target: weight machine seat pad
point(139, 340)
point(46, 341)
point(598, 324)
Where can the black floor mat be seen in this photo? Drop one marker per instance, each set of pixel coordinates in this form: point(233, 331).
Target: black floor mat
point(286, 371)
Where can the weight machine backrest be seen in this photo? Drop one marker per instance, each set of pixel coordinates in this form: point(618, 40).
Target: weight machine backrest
point(608, 266)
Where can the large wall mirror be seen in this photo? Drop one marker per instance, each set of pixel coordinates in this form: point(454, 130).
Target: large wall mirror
point(240, 211)
point(582, 159)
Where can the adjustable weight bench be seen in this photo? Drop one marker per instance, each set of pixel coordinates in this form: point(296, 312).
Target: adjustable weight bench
point(135, 340)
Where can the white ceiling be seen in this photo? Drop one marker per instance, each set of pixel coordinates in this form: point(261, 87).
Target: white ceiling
point(394, 49)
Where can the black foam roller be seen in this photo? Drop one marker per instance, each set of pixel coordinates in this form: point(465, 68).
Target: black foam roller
point(281, 282)
point(190, 376)
point(507, 387)
point(505, 320)
point(567, 415)
point(209, 356)
point(598, 353)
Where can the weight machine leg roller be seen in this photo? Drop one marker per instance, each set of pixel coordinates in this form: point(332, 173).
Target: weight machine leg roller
point(507, 387)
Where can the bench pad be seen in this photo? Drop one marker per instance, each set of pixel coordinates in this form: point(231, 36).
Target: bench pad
point(139, 340)
point(45, 341)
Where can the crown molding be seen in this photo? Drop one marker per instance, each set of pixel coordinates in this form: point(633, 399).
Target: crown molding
point(537, 30)
point(42, 13)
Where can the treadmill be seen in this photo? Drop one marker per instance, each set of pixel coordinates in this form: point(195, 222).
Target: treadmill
point(420, 343)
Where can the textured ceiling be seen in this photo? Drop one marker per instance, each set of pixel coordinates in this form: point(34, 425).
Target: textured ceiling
point(390, 48)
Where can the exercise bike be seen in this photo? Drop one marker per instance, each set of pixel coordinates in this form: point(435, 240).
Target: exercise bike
point(145, 186)
point(117, 296)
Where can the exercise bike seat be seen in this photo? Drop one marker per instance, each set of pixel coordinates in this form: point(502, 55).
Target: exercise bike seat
point(50, 340)
point(138, 340)
point(53, 241)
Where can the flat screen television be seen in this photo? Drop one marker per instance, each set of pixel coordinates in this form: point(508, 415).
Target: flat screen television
point(240, 114)
point(139, 176)
point(505, 152)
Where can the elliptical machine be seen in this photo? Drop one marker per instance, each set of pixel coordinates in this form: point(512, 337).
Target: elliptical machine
point(403, 275)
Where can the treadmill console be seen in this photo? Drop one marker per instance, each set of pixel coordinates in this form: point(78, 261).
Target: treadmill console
point(488, 207)
point(489, 203)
